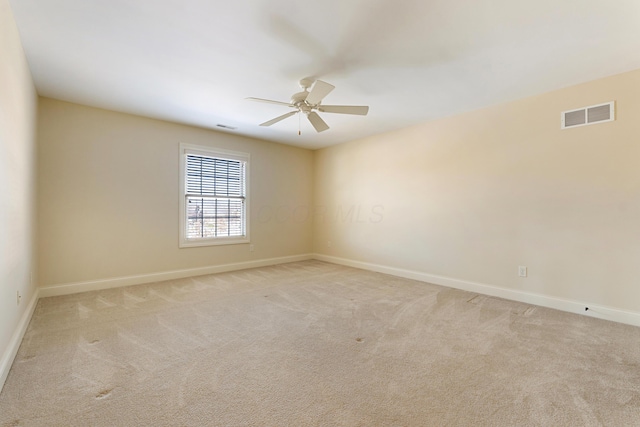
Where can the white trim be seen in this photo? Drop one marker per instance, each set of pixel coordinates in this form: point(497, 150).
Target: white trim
point(571, 306)
point(195, 243)
point(204, 150)
point(116, 282)
point(16, 339)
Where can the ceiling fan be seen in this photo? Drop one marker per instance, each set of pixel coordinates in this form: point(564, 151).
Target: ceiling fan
point(309, 102)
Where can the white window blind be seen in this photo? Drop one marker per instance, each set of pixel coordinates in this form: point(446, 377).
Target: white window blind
point(214, 198)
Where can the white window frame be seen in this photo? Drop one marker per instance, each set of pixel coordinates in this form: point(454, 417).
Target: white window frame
point(186, 149)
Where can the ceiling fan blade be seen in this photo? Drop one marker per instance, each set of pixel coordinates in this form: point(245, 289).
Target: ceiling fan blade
point(268, 101)
point(359, 110)
point(318, 92)
point(317, 122)
point(277, 119)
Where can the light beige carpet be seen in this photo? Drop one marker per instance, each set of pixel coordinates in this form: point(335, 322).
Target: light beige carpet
point(316, 344)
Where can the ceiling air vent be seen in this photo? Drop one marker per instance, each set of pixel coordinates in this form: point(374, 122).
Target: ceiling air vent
point(589, 115)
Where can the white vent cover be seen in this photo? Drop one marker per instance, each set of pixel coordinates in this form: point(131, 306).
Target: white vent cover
point(589, 115)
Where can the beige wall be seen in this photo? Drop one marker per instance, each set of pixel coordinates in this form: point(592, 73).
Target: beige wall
point(469, 197)
point(108, 196)
point(17, 171)
point(472, 197)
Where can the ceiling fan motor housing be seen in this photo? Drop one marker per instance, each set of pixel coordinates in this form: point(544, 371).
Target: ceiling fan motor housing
point(299, 97)
point(298, 100)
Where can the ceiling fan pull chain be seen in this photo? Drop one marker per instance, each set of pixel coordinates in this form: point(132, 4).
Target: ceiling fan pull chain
point(299, 133)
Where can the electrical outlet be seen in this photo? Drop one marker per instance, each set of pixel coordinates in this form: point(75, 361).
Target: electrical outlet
point(18, 297)
point(250, 248)
point(522, 271)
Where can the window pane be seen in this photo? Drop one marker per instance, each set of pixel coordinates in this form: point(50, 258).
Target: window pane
point(214, 217)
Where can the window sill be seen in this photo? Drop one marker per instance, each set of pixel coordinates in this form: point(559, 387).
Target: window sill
point(194, 243)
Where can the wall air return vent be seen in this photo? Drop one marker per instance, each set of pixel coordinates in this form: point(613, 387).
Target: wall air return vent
point(589, 115)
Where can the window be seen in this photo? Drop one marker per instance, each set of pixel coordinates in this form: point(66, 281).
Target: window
point(213, 196)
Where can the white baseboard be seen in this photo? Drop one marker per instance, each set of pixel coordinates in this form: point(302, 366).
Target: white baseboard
point(115, 282)
point(571, 306)
point(16, 339)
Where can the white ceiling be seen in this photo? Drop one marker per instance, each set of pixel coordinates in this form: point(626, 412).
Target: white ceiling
point(195, 61)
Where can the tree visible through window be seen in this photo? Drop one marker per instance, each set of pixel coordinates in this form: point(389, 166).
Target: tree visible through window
point(215, 198)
